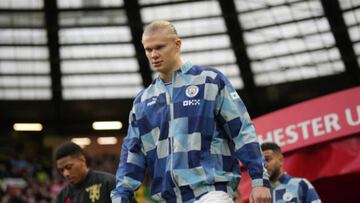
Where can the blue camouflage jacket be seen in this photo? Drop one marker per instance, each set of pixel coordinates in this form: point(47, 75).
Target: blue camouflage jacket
point(189, 139)
point(292, 189)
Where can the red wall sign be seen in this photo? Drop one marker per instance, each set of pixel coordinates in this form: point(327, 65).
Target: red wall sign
point(314, 121)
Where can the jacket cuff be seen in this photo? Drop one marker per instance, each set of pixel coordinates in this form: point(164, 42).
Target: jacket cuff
point(260, 183)
point(119, 200)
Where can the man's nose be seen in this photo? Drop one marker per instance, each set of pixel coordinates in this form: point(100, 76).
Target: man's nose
point(66, 173)
point(154, 54)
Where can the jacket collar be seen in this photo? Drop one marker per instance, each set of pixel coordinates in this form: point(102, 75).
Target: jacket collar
point(183, 69)
point(284, 178)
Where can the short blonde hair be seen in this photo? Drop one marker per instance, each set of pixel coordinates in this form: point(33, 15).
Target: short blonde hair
point(157, 25)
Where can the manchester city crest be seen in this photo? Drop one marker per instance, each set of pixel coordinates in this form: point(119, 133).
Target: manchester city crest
point(287, 196)
point(192, 91)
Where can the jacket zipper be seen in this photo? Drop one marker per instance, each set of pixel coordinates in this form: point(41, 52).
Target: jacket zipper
point(171, 135)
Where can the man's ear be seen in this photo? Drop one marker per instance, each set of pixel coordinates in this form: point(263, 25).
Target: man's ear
point(178, 43)
point(281, 159)
point(82, 158)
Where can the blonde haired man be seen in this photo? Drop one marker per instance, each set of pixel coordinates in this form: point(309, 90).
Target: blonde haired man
point(189, 128)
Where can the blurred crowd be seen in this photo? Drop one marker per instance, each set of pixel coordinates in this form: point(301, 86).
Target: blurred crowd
point(25, 178)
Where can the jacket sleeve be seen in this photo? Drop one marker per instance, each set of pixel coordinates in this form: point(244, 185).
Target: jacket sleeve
point(131, 169)
point(309, 193)
point(233, 116)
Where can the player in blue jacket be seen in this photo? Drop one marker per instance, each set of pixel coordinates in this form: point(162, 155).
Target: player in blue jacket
point(188, 130)
point(285, 188)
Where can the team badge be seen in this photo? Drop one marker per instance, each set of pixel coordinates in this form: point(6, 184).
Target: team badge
point(287, 196)
point(192, 91)
point(94, 192)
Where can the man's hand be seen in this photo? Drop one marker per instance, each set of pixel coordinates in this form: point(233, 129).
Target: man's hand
point(260, 195)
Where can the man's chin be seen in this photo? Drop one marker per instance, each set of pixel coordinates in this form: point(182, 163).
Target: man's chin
point(272, 179)
point(274, 176)
point(72, 182)
point(156, 69)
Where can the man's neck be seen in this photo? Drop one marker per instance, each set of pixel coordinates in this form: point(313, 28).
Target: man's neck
point(168, 76)
point(86, 173)
point(277, 178)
